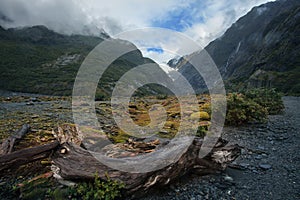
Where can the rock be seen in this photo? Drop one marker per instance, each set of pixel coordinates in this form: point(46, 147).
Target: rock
point(66, 182)
point(282, 137)
point(229, 192)
point(164, 132)
point(34, 99)
point(244, 165)
point(34, 116)
point(258, 157)
point(265, 166)
point(269, 138)
point(260, 147)
point(132, 106)
point(228, 178)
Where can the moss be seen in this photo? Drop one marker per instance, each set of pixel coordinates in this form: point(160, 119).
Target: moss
point(120, 137)
point(202, 115)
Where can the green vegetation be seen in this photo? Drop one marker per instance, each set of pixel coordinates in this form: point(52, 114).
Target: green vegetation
point(97, 189)
point(34, 188)
point(202, 131)
point(44, 188)
point(241, 110)
point(288, 82)
point(252, 106)
point(38, 60)
point(268, 98)
point(46, 66)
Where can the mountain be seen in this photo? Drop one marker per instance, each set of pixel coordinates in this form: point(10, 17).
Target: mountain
point(260, 50)
point(38, 60)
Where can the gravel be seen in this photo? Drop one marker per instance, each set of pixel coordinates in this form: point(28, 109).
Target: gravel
point(269, 167)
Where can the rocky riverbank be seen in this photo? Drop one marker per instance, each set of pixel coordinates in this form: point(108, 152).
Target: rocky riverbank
point(267, 169)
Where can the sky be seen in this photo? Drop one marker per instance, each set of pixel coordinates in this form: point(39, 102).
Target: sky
point(200, 20)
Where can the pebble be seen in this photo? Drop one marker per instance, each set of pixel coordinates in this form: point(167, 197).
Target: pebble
point(265, 166)
point(228, 178)
point(282, 138)
point(34, 116)
point(244, 165)
point(164, 132)
point(260, 147)
point(34, 99)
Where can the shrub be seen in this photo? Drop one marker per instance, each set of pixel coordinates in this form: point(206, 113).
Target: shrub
point(206, 107)
point(241, 109)
point(268, 98)
point(203, 129)
point(98, 189)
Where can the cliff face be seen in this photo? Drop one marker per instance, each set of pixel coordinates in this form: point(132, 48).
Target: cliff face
point(266, 39)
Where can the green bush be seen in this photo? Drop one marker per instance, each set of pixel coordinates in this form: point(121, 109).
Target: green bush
point(241, 109)
point(268, 98)
point(98, 189)
point(253, 106)
point(202, 131)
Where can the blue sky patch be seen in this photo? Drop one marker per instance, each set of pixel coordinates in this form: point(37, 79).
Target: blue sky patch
point(181, 18)
point(156, 50)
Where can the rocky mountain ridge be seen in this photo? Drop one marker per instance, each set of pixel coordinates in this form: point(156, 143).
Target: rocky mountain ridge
point(261, 49)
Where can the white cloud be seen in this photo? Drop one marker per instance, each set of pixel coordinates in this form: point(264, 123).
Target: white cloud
point(173, 43)
point(218, 16)
point(116, 16)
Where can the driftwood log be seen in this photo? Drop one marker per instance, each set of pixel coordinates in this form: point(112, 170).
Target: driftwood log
point(8, 144)
point(77, 163)
point(73, 162)
point(27, 155)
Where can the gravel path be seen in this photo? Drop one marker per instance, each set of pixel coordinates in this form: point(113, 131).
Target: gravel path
point(269, 167)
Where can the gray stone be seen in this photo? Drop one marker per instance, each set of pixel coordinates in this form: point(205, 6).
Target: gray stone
point(265, 166)
point(34, 99)
point(228, 178)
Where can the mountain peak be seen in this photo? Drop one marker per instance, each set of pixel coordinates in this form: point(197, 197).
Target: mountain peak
point(266, 38)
